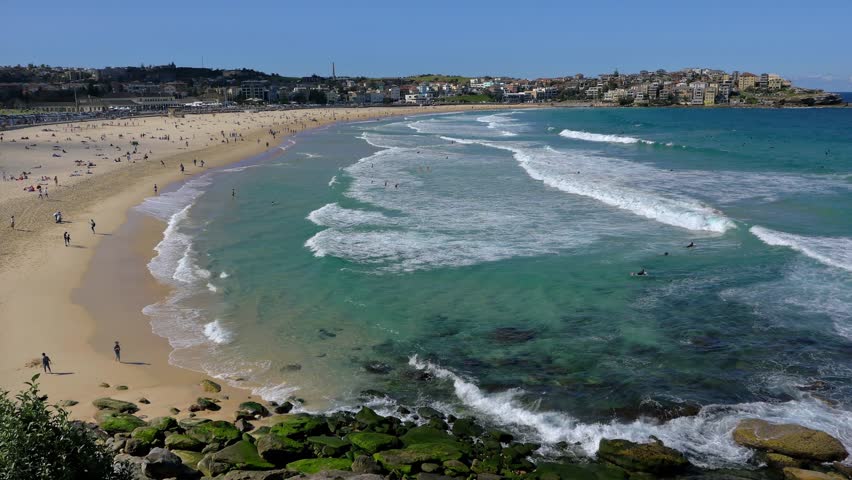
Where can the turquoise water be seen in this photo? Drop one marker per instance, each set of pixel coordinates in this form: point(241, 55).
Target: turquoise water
point(480, 263)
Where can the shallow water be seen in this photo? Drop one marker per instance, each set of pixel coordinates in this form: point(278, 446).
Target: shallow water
point(483, 260)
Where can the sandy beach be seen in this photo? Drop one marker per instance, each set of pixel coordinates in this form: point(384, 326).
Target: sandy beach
point(73, 302)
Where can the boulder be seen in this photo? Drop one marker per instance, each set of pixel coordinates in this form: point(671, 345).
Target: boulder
point(68, 403)
point(788, 439)
point(163, 424)
point(121, 387)
point(161, 463)
point(251, 410)
point(189, 458)
point(368, 417)
point(147, 435)
point(583, 471)
point(116, 405)
point(179, 441)
point(779, 461)
point(218, 431)
point(791, 473)
point(207, 404)
point(403, 460)
point(283, 408)
point(279, 449)
point(136, 447)
point(189, 423)
point(144, 401)
point(373, 442)
point(379, 368)
point(327, 446)
point(114, 422)
point(314, 465)
point(455, 468)
point(466, 428)
point(365, 464)
point(429, 435)
point(653, 458)
point(243, 425)
point(210, 386)
point(239, 456)
point(258, 475)
point(299, 425)
point(429, 413)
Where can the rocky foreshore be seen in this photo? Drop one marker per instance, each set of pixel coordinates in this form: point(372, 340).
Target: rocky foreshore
point(368, 446)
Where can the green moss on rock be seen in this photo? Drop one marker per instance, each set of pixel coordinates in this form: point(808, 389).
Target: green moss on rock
point(189, 458)
point(163, 424)
point(587, 471)
point(299, 425)
point(373, 442)
point(402, 460)
point(279, 449)
point(217, 431)
point(642, 457)
point(116, 422)
point(314, 465)
point(210, 386)
point(117, 405)
point(239, 456)
point(146, 435)
point(179, 441)
point(792, 440)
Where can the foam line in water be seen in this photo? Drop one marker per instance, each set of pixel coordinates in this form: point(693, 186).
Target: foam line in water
point(601, 137)
point(834, 252)
point(705, 438)
point(549, 166)
point(217, 333)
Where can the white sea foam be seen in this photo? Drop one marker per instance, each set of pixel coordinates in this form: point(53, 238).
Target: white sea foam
point(224, 275)
point(333, 215)
point(832, 251)
point(212, 288)
point(705, 438)
point(600, 179)
point(333, 181)
point(600, 137)
point(217, 333)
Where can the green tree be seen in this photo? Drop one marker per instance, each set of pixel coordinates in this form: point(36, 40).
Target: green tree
point(39, 442)
point(318, 97)
point(299, 97)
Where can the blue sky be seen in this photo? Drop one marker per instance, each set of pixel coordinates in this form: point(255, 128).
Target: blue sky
point(809, 42)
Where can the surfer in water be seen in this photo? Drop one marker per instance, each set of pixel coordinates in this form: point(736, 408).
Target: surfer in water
point(640, 273)
point(691, 245)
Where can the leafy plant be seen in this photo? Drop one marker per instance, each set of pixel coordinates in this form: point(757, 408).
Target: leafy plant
point(38, 441)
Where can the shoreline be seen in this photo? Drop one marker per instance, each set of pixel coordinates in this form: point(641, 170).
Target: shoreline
point(44, 280)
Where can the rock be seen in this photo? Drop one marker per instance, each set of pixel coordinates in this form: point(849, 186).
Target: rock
point(845, 470)
point(103, 385)
point(251, 410)
point(299, 426)
point(292, 367)
point(68, 403)
point(174, 411)
point(210, 386)
point(279, 449)
point(136, 447)
point(402, 460)
point(429, 413)
point(116, 444)
point(314, 465)
point(121, 387)
point(188, 423)
point(189, 458)
point(512, 335)
point(642, 457)
point(207, 404)
point(466, 428)
point(217, 431)
point(148, 435)
point(584, 471)
point(368, 417)
point(133, 464)
point(179, 441)
point(791, 473)
point(378, 368)
point(114, 422)
point(788, 439)
point(486, 465)
point(373, 442)
point(429, 435)
point(431, 476)
point(779, 461)
point(327, 446)
point(116, 405)
point(144, 401)
point(283, 408)
point(239, 456)
point(429, 467)
point(500, 436)
point(243, 425)
point(455, 468)
point(194, 408)
point(163, 424)
point(258, 475)
point(161, 463)
point(365, 464)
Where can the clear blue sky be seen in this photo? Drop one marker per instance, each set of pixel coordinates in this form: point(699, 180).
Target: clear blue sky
point(807, 41)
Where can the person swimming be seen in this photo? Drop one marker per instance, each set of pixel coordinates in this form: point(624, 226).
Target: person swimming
point(691, 245)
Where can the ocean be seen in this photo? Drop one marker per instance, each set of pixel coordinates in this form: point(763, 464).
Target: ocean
point(480, 263)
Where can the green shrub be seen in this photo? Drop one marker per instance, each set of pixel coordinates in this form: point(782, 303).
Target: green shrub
point(38, 441)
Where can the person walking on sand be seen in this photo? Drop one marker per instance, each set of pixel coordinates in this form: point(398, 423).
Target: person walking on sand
point(45, 363)
point(117, 350)
point(181, 168)
point(92, 223)
point(12, 222)
point(155, 189)
point(67, 238)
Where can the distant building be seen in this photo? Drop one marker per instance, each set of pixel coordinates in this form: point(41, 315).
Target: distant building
point(253, 89)
point(746, 80)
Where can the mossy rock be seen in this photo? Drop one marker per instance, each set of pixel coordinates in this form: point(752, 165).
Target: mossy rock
point(491, 465)
point(402, 460)
point(467, 427)
point(218, 431)
point(788, 439)
point(779, 461)
point(117, 405)
point(368, 417)
point(190, 423)
point(328, 446)
point(121, 387)
point(146, 435)
point(208, 404)
point(189, 458)
point(373, 442)
point(429, 435)
point(239, 456)
point(251, 410)
point(279, 449)
point(210, 386)
point(310, 466)
point(179, 441)
point(455, 468)
point(116, 422)
point(642, 457)
point(163, 424)
point(68, 403)
point(791, 473)
point(299, 425)
point(585, 471)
